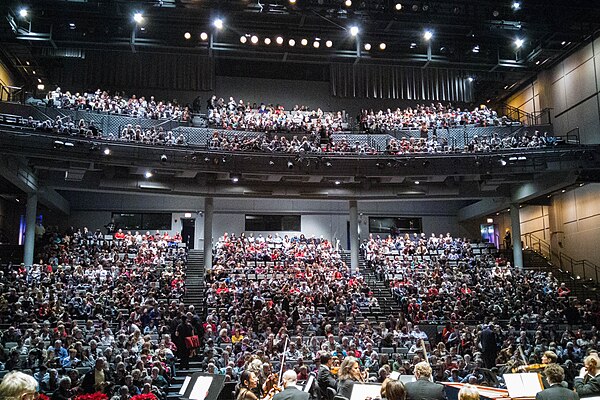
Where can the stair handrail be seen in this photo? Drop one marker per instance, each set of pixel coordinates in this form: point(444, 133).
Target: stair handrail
point(581, 269)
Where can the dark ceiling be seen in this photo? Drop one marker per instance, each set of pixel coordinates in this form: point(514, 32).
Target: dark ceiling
point(476, 36)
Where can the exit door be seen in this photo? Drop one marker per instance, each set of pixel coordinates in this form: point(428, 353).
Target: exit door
point(188, 229)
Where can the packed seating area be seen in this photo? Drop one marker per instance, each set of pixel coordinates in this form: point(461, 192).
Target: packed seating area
point(95, 301)
point(102, 101)
point(425, 117)
point(242, 116)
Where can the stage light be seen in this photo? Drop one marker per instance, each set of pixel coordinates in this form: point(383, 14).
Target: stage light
point(23, 12)
point(338, 182)
point(367, 46)
point(503, 162)
point(107, 151)
point(316, 44)
point(267, 41)
point(254, 39)
point(470, 79)
point(290, 165)
point(519, 42)
point(218, 23)
point(138, 17)
point(475, 49)
point(243, 39)
point(417, 182)
point(292, 1)
point(204, 36)
point(382, 46)
point(148, 174)
point(516, 5)
point(348, 3)
point(304, 42)
point(279, 40)
point(427, 35)
point(187, 35)
point(72, 25)
point(235, 178)
point(41, 86)
point(329, 43)
point(398, 6)
point(354, 30)
point(292, 42)
point(413, 45)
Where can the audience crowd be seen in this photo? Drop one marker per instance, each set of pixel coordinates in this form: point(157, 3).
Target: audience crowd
point(423, 117)
point(103, 102)
point(290, 301)
point(242, 116)
point(96, 313)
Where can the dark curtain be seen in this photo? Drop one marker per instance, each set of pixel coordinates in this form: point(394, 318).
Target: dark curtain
point(407, 83)
point(101, 69)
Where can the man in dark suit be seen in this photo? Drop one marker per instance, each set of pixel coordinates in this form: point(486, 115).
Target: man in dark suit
point(290, 391)
point(98, 379)
point(555, 375)
point(423, 388)
point(489, 348)
point(325, 378)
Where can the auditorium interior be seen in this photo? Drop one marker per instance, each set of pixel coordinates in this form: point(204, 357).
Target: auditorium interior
point(233, 189)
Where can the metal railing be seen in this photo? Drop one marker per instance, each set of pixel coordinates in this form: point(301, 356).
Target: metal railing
point(579, 269)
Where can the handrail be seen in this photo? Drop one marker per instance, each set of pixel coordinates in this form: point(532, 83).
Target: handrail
point(580, 269)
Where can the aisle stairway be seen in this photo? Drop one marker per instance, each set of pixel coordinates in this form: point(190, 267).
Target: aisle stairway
point(194, 282)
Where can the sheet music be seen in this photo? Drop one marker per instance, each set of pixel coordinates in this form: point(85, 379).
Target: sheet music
point(200, 389)
point(523, 385)
point(185, 384)
point(309, 383)
point(360, 391)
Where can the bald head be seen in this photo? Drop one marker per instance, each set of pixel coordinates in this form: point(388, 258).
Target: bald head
point(290, 377)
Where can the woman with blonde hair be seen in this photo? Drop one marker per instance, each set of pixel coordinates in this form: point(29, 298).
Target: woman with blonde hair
point(348, 374)
point(468, 392)
point(18, 386)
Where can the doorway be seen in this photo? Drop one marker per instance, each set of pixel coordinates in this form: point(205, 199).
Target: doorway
point(188, 230)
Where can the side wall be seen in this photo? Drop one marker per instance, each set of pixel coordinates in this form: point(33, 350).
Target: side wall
point(6, 79)
point(571, 90)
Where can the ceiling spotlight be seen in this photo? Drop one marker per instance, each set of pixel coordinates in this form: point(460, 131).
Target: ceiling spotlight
point(292, 42)
point(254, 39)
point(203, 36)
point(329, 43)
point(218, 23)
point(235, 178)
point(267, 40)
point(354, 30)
point(415, 7)
point(413, 45)
point(23, 12)
point(382, 46)
point(316, 44)
point(107, 151)
point(496, 13)
point(41, 86)
point(398, 6)
point(516, 5)
point(279, 40)
point(290, 165)
point(187, 35)
point(39, 80)
point(470, 79)
point(503, 162)
point(72, 25)
point(304, 42)
point(33, 72)
point(563, 191)
point(348, 3)
point(243, 39)
point(367, 46)
point(417, 182)
point(519, 43)
point(338, 182)
point(427, 35)
point(475, 49)
point(563, 42)
point(148, 174)
point(292, 1)
point(138, 17)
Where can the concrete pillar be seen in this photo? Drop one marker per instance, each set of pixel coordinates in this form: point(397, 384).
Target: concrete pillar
point(354, 245)
point(30, 216)
point(515, 222)
point(208, 222)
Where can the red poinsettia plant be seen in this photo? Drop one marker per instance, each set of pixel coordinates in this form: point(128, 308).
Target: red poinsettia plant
point(147, 396)
point(93, 396)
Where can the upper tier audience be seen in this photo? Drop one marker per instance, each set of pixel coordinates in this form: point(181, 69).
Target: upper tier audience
point(102, 101)
point(434, 116)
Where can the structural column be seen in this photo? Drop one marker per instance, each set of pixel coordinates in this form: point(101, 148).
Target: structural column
point(515, 221)
point(30, 215)
point(354, 244)
point(208, 222)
